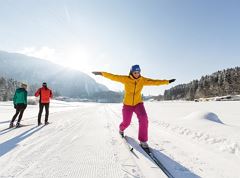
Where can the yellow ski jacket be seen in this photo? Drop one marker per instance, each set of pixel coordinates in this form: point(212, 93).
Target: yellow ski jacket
point(133, 87)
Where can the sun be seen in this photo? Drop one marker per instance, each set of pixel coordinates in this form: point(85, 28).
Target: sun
point(78, 57)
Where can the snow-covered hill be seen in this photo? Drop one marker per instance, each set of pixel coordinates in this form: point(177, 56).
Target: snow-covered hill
point(191, 139)
point(34, 71)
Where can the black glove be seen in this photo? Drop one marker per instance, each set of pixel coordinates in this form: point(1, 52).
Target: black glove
point(172, 80)
point(97, 73)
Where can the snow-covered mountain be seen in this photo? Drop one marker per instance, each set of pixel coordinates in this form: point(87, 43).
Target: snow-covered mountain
point(67, 82)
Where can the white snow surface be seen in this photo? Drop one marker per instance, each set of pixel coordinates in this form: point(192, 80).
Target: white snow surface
point(191, 139)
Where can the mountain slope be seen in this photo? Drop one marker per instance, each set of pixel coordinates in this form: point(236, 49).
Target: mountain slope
point(67, 82)
point(225, 82)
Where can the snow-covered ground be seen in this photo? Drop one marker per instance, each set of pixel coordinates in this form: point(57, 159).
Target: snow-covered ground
point(192, 139)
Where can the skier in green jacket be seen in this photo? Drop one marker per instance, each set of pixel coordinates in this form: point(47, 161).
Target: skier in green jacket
point(20, 104)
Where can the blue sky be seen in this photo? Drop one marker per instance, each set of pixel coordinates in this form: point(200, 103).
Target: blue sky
point(167, 38)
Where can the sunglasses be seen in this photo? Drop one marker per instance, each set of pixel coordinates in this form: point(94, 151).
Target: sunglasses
point(136, 72)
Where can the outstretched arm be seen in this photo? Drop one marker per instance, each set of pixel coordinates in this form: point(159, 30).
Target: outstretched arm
point(148, 81)
point(117, 78)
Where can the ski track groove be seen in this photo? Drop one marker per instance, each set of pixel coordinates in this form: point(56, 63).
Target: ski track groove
point(219, 143)
point(113, 129)
point(91, 161)
point(192, 161)
point(154, 144)
point(116, 115)
point(36, 154)
point(35, 149)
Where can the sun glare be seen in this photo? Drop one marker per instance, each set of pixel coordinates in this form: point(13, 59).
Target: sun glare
point(76, 58)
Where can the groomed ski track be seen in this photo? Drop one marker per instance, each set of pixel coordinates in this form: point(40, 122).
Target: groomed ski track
point(81, 142)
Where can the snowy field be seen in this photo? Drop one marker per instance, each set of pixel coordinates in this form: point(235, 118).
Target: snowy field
point(192, 139)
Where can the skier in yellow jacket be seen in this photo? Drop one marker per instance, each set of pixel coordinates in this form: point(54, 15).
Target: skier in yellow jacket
point(133, 102)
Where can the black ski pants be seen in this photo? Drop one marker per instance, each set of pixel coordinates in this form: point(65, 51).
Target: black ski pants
point(19, 111)
point(41, 106)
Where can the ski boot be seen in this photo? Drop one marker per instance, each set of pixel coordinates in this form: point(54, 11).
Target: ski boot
point(144, 145)
point(18, 125)
point(11, 125)
point(121, 133)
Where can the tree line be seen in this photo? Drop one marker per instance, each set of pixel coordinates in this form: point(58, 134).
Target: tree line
point(8, 87)
point(220, 83)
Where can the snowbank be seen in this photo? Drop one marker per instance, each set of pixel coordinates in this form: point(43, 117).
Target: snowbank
point(208, 116)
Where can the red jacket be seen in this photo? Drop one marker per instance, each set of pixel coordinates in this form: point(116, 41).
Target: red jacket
point(45, 94)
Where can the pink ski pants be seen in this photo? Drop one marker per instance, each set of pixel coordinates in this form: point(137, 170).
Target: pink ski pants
point(127, 112)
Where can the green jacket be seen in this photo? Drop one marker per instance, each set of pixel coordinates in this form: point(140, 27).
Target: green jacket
point(20, 96)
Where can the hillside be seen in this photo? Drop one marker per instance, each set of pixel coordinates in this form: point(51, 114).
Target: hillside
point(34, 71)
point(220, 83)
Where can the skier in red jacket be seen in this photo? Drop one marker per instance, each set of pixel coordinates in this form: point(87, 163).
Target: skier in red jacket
point(45, 94)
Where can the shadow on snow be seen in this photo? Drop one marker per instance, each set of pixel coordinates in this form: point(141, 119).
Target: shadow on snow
point(4, 122)
point(7, 146)
point(176, 169)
